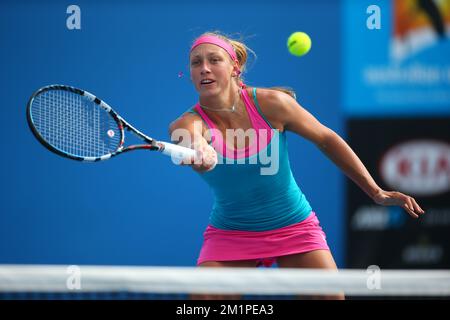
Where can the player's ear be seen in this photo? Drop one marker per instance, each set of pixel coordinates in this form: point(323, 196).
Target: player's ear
point(235, 72)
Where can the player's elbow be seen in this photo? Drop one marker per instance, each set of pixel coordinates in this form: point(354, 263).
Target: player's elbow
point(326, 138)
point(172, 127)
point(182, 132)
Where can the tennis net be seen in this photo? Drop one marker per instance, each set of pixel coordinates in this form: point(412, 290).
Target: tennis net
point(169, 283)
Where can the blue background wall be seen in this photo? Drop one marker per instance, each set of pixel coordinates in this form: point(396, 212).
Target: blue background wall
point(140, 209)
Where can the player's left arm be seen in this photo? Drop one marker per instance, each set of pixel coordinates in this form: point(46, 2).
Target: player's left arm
point(287, 114)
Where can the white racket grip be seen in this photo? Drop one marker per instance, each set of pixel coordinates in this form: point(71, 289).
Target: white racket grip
point(177, 152)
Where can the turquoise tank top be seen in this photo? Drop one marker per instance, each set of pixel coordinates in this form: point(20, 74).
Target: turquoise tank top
point(254, 191)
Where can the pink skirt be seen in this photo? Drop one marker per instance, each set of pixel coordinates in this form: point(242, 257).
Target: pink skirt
point(263, 246)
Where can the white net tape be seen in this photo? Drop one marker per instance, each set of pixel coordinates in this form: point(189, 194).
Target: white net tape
point(369, 282)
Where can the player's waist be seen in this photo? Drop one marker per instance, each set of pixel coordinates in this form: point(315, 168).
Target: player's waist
point(245, 193)
point(266, 219)
point(261, 209)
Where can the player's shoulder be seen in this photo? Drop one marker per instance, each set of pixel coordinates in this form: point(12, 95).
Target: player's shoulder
point(271, 101)
point(275, 104)
point(269, 97)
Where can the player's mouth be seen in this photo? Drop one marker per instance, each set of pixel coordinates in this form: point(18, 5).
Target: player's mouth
point(206, 82)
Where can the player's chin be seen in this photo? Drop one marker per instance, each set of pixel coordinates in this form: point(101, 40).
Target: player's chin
point(209, 90)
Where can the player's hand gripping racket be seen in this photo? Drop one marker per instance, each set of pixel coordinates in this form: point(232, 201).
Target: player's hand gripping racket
point(75, 124)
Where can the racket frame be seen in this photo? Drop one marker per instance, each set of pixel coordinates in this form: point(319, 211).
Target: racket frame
point(151, 144)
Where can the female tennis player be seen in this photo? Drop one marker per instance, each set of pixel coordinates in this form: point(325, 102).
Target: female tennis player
point(259, 217)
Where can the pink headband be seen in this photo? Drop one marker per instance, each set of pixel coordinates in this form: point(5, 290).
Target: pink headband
point(218, 42)
point(221, 43)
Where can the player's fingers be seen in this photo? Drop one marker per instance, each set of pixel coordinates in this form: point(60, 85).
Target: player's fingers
point(410, 202)
point(198, 158)
point(408, 207)
point(210, 158)
point(211, 164)
point(187, 161)
point(417, 208)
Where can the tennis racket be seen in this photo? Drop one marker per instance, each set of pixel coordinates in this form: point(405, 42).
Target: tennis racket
point(75, 124)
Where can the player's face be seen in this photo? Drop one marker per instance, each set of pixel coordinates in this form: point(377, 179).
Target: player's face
point(211, 69)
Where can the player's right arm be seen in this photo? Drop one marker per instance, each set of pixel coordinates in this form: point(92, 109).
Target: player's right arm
point(188, 131)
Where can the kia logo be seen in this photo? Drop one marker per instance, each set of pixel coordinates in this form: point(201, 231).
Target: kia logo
point(418, 167)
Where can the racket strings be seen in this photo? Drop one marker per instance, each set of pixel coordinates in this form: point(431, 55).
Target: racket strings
point(74, 124)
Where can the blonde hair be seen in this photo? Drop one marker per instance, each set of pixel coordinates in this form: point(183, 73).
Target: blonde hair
point(241, 53)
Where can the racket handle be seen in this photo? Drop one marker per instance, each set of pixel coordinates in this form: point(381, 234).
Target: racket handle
point(176, 152)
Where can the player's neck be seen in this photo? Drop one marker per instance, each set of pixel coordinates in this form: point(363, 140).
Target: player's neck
point(223, 103)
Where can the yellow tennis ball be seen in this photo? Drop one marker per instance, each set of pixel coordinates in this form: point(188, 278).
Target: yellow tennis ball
point(299, 43)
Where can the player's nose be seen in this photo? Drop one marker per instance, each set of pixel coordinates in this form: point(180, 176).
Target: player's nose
point(205, 68)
